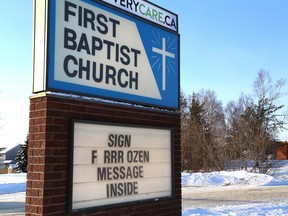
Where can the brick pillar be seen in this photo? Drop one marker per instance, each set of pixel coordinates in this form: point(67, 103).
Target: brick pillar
point(47, 161)
point(46, 192)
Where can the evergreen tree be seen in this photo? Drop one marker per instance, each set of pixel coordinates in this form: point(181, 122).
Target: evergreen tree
point(21, 158)
point(192, 142)
point(197, 111)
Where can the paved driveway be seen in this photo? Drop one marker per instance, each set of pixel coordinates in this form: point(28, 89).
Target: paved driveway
point(193, 197)
point(12, 204)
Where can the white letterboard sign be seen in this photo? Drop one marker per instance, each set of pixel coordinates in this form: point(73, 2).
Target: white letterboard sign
point(116, 164)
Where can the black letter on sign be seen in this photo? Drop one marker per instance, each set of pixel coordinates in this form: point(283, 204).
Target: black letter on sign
point(101, 17)
point(136, 52)
point(114, 23)
point(110, 74)
point(94, 156)
point(66, 61)
point(70, 36)
point(85, 68)
point(110, 140)
point(89, 17)
point(67, 11)
point(83, 44)
point(125, 59)
point(133, 80)
point(122, 72)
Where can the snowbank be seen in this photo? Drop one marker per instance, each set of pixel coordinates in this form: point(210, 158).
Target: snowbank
point(237, 178)
point(224, 178)
point(12, 183)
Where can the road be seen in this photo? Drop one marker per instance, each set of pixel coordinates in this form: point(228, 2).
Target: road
point(193, 197)
point(12, 204)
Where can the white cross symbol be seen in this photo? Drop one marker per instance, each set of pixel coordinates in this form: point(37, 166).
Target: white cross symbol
point(164, 53)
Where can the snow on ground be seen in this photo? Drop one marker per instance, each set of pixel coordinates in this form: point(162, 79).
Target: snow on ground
point(278, 177)
point(15, 183)
point(224, 178)
point(12, 183)
point(254, 209)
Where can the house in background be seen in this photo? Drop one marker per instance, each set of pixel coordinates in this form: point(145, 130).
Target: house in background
point(7, 157)
point(2, 157)
point(282, 151)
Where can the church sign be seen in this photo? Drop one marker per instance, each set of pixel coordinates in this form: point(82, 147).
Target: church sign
point(105, 158)
point(96, 49)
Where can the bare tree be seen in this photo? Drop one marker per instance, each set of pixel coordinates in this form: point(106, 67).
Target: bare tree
point(184, 111)
point(215, 129)
point(236, 134)
point(253, 125)
point(247, 131)
point(265, 115)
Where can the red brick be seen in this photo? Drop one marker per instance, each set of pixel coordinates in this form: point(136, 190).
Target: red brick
point(35, 176)
point(59, 209)
point(38, 184)
point(37, 160)
point(31, 209)
point(38, 168)
point(37, 201)
point(33, 192)
point(58, 200)
point(41, 105)
point(55, 192)
point(59, 121)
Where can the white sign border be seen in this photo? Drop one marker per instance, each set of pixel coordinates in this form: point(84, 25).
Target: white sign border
point(71, 154)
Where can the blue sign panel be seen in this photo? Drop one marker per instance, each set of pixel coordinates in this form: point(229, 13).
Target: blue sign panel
point(96, 50)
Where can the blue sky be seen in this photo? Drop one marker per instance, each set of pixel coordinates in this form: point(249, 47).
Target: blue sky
point(16, 69)
point(224, 44)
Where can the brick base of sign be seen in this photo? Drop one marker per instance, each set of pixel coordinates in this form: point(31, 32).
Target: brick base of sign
point(48, 154)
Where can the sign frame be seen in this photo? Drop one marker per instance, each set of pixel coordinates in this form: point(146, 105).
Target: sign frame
point(123, 125)
point(42, 63)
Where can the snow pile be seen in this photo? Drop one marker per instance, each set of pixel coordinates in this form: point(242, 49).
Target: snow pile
point(281, 170)
point(277, 176)
point(224, 178)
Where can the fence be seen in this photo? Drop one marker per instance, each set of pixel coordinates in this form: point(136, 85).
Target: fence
point(3, 170)
point(251, 166)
